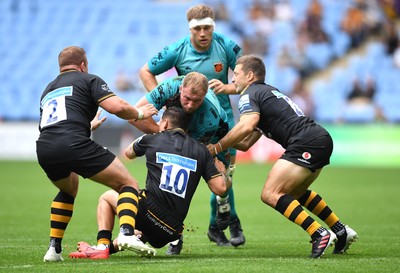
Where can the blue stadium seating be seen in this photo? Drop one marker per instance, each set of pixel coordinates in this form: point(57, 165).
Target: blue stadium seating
point(125, 34)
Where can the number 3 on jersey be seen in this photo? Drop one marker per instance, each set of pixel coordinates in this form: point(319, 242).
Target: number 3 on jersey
point(53, 106)
point(175, 173)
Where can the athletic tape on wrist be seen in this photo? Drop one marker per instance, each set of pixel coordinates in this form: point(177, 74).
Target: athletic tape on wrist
point(140, 114)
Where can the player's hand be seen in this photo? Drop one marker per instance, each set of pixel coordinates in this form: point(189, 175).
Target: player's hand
point(217, 86)
point(96, 122)
point(212, 149)
point(148, 110)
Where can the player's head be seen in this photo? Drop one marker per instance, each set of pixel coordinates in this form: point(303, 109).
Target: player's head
point(248, 69)
point(193, 91)
point(174, 117)
point(73, 57)
point(201, 24)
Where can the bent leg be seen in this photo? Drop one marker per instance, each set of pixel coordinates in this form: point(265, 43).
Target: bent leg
point(286, 177)
point(106, 211)
point(117, 177)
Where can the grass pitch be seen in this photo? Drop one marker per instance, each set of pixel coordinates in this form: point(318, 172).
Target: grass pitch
point(365, 198)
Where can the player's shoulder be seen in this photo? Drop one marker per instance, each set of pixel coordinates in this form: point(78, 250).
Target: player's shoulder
point(217, 35)
point(180, 44)
point(170, 85)
point(211, 99)
point(212, 107)
point(221, 38)
point(89, 76)
point(194, 143)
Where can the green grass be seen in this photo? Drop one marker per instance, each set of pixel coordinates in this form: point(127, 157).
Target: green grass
point(365, 198)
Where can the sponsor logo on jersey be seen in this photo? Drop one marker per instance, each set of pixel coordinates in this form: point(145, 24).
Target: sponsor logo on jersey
point(218, 67)
point(182, 161)
point(244, 103)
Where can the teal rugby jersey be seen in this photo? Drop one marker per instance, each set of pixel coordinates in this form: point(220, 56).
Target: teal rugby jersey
point(208, 124)
point(214, 63)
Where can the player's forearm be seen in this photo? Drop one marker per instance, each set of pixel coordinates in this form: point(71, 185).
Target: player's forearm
point(121, 108)
point(248, 141)
point(234, 136)
point(230, 89)
point(148, 79)
point(147, 126)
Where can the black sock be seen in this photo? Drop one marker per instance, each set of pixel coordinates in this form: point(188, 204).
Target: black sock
point(318, 232)
point(112, 249)
point(338, 226)
point(56, 243)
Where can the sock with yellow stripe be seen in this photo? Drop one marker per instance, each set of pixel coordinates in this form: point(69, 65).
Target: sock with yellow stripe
point(292, 210)
point(314, 203)
point(62, 208)
point(127, 208)
point(104, 237)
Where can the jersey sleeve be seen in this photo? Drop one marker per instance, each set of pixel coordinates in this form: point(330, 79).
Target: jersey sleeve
point(210, 169)
point(247, 104)
point(99, 89)
point(166, 58)
point(141, 144)
point(164, 91)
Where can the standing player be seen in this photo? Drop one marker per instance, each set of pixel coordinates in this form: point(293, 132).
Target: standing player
point(175, 164)
point(211, 54)
point(64, 148)
point(308, 149)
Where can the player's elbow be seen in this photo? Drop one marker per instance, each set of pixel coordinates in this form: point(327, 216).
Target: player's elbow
point(128, 153)
point(244, 147)
point(145, 73)
point(224, 185)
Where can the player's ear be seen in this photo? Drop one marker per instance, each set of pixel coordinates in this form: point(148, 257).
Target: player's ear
point(84, 67)
point(251, 76)
point(163, 124)
point(166, 124)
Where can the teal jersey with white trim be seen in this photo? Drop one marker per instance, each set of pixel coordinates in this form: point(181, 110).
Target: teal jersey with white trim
point(213, 63)
point(208, 124)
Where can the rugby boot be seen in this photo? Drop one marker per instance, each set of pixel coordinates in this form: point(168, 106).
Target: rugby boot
point(321, 242)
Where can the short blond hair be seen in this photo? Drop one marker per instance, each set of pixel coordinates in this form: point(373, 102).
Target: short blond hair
point(196, 81)
point(200, 12)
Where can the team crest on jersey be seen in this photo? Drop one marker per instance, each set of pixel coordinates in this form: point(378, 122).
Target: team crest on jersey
point(218, 67)
point(105, 87)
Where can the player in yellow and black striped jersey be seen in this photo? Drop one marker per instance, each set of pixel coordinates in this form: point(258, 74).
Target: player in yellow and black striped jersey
point(308, 147)
point(176, 163)
point(64, 148)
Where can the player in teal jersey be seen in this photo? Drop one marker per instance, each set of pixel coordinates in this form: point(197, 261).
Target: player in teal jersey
point(211, 54)
point(208, 121)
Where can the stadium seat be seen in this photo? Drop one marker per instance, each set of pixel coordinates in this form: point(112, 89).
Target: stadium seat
point(125, 34)
point(320, 54)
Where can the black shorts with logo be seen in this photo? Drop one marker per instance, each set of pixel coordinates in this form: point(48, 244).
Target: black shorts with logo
point(157, 225)
point(58, 157)
point(311, 153)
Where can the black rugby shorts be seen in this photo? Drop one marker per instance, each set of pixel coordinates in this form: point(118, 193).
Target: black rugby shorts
point(311, 154)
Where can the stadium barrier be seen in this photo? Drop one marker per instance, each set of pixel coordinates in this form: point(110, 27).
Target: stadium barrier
point(354, 145)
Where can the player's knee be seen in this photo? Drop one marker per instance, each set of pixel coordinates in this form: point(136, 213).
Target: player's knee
point(108, 197)
point(267, 197)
